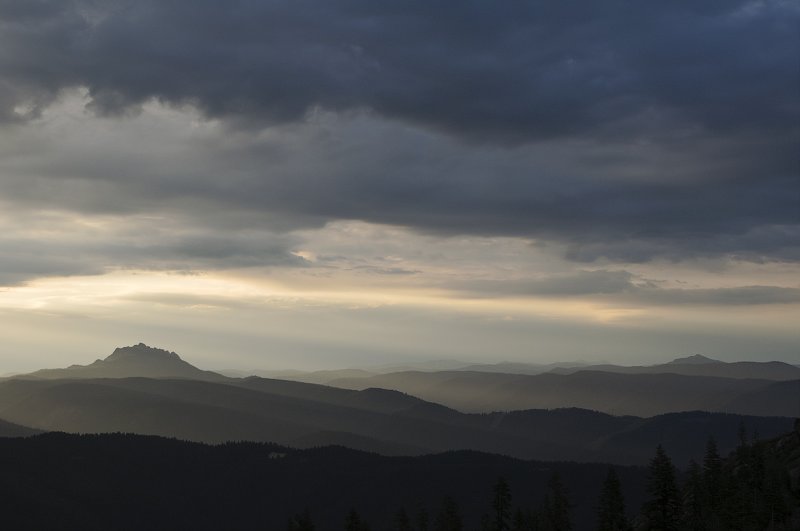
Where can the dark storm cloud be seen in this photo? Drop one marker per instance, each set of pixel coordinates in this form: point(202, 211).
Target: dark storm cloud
point(616, 130)
point(492, 71)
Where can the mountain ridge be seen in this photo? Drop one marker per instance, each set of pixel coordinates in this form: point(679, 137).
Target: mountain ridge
point(377, 420)
point(694, 359)
point(132, 361)
point(611, 392)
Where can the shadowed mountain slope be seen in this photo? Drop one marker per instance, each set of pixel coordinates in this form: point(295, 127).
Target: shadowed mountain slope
point(211, 412)
point(7, 429)
point(317, 377)
point(610, 392)
point(388, 422)
point(781, 398)
point(116, 482)
point(381, 415)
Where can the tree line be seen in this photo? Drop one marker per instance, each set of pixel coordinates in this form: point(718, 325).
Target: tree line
point(748, 491)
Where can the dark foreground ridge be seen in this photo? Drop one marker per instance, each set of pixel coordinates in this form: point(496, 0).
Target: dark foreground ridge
point(130, 482)
point(112, 482)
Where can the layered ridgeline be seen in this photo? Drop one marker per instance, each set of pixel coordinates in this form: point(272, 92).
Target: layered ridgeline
point(8, 429)
point(216, 409)
point(698, 365)
point(695, 365)
point(643, 394)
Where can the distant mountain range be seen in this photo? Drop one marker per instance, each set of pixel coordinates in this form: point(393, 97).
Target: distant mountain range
point(701, 366)
point(377, 420)
point(695, 365)
point(642, 394)
point(151, 391)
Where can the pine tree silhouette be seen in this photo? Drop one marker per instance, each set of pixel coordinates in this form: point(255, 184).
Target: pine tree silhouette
point(611, 507)
point(423, 520)
point(501, 506)
point(449, 518)
point(401, 521)
point(663, 509)
point(301, 522)
point(354, 522)
point(555, 513)
point(525, 521)
point(694, 500)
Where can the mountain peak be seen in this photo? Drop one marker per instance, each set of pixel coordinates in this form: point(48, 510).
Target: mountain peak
point(134, 361)
point(142, 351)
point(697, 359)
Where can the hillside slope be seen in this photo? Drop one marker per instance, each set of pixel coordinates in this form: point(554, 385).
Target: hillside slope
point(124, 482)
point(387, 422)
point(614, 393)
point(8, 429)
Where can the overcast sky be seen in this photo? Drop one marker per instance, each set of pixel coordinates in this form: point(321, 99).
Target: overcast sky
point(275, 184)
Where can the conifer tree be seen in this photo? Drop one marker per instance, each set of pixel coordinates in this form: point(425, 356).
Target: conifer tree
point(776, 509)
point(401, 521)
point(449, 518)
point(712, 475)
point(555, 513)
point(301, 522)
point(611, 507)
point(663, 509)
point(525, 521)
point(423, 520)
point(729, 506)
point(693, 501)
point(354, 522)
point(521, 522)
point(501, 506)
point(741, 450)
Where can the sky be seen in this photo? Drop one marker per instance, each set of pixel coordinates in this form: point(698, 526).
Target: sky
point(272, 184)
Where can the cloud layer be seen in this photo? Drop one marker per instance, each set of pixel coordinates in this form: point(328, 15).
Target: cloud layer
point(607, 133)
point(495, 73)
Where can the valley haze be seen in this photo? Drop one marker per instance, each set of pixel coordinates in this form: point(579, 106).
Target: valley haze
point(584, 415)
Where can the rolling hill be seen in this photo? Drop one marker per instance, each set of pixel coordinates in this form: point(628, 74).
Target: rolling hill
point(545, 416)
point(8, 429)
point(702, 366)
point(378, 420)
point(610, 392)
